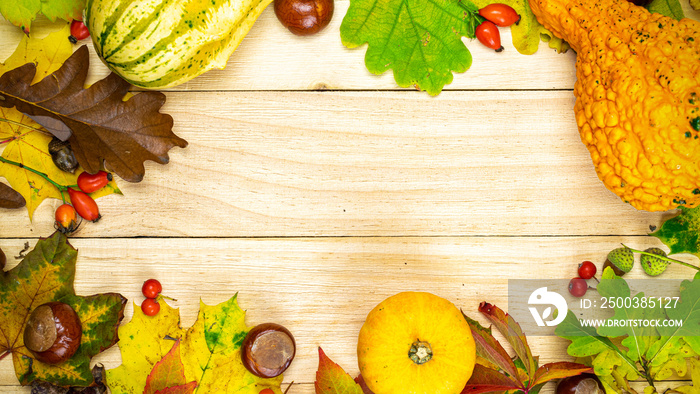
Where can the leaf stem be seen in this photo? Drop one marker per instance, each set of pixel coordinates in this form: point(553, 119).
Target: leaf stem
point(7, 352)
point(60, 188)
point(20, 124)
point(663, 258)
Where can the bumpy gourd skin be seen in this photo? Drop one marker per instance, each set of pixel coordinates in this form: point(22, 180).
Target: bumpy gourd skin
point(637, 97)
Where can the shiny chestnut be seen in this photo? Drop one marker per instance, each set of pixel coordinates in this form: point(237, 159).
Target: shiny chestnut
point(53, 332)
point(304, 17)
point(268, 350)
point(585, 383)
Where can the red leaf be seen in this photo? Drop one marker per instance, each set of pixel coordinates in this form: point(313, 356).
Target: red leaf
point(361, 381)
point(559, 370)
point(168, 375)
point(488, 348)
point(332, 379)
point(184, 389)
point(486, 380)
point(512, 332)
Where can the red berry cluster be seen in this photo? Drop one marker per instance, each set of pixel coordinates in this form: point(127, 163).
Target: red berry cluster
point(495, 15)
point(81, 203)
point(151, 290)
point(578, 286)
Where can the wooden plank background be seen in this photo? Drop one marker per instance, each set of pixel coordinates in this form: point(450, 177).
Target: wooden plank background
point(316, 190)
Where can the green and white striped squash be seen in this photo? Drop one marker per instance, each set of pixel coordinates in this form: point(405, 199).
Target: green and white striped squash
point(157, 44)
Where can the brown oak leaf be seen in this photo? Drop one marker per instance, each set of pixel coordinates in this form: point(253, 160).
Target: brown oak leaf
point(9, 198)
point(101, 125)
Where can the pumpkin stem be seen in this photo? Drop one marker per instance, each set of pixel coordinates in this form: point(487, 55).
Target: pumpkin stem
point(420, 352)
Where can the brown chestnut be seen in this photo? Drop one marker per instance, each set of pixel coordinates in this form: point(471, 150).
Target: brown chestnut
point(585, 383)
point(304, 17)
point(3, 260)
point(268, 350)
point(53, 332)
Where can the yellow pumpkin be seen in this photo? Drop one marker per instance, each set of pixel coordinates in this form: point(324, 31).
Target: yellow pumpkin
point(416, 343)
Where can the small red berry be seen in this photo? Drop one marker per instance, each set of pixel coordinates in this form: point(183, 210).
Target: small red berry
point(587, 270)
point(150, 307)
point(487, 33)
point(66, 219)
point(501, 14)
point(266, 391)
point(151, 288)
point(578, 287)
point(84, 205)
point(78, 31)
point(93, 182)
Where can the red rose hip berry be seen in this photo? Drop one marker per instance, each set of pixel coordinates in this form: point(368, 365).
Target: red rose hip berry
point(151, 288)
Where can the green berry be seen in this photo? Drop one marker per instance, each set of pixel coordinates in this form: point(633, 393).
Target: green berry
point(654, 266)
point(621, 260)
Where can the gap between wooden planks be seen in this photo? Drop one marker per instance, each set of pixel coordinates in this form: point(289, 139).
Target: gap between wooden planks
point(322, 288)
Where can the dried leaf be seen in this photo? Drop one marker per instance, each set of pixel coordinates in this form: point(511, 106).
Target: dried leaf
point(9, 198)
point(46, 274)
point(123, 134)
point(332, 379)
point(27, 142)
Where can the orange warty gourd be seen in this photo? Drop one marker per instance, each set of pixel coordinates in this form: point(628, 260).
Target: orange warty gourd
point(416, 343)
point(637, 97)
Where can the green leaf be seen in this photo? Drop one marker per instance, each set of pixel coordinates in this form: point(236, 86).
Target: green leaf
point(332, 379)
point(420, 40)
point(528, 33)
point(670, 8)
point(46, 274)
point(22, 13)
point(638, 338)
point(681, 233)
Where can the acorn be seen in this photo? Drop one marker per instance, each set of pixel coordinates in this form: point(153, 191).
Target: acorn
point(268, 350)
point(62, 155)
point(654, 266)
point(620, 260)
point(53, 332)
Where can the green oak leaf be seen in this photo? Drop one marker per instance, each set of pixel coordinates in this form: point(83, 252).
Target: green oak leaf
point(420, 40)
point(585, 342)
point(47, 274)
point(670, 8)
point(638, 338)
point(682, 232)
point(22, 13)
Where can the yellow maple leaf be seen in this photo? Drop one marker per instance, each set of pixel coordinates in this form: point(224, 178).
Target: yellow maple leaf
point(48, 53)
point(209, 350)
point(27, 142)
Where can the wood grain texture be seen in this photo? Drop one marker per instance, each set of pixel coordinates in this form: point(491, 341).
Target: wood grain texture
point(316, 190)
point(364, 163)
point(323, 288)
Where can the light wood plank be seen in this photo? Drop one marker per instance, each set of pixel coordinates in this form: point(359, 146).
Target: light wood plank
point(364, 163)
point(271, 58)
point(322, 289)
